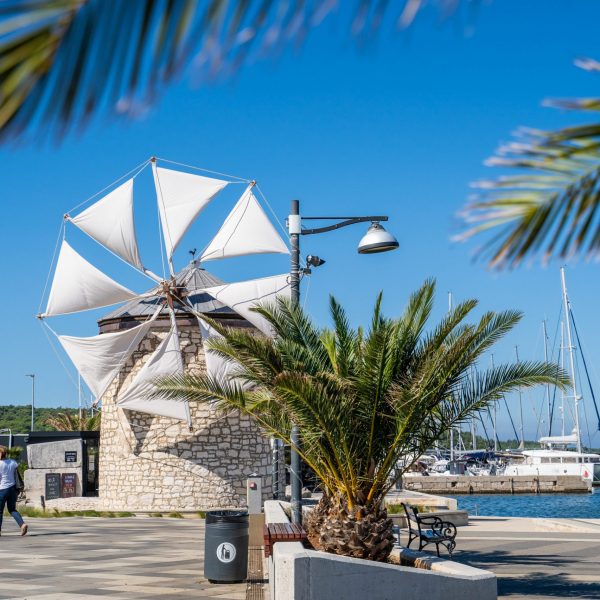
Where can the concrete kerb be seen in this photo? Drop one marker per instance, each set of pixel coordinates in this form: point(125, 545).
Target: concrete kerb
point(296, 573)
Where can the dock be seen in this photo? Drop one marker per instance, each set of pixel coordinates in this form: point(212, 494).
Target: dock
point(497, 484)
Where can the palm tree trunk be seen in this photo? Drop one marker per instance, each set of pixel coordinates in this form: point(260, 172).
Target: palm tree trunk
point(360, 532)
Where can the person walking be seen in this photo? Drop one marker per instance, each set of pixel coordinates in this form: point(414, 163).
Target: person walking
point(8, 489)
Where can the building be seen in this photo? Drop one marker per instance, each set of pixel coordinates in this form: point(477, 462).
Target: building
point(153, 463)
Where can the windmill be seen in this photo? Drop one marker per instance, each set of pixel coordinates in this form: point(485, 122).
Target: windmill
point(78, 285)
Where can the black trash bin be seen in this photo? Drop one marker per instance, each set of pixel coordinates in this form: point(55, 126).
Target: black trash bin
point(226, 546)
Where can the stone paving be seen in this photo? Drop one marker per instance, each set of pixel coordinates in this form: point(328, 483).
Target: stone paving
point(536, 559)
point(77, 558)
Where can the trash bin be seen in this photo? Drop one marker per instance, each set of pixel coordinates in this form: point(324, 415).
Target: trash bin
point(226, 546)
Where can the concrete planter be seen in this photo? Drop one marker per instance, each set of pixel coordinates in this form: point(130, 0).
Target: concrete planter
point(296, 573)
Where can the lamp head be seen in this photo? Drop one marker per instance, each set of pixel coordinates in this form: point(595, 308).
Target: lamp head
point(314, 261)
point(377, 239)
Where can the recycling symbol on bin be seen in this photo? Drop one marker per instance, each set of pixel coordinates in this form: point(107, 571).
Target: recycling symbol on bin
point(226, 552)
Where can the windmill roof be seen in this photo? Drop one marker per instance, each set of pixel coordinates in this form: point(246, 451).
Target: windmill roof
point(194, 279)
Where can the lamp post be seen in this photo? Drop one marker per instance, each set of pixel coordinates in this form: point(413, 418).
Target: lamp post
point(376, 240)
point(32, 375)
point(7, 429)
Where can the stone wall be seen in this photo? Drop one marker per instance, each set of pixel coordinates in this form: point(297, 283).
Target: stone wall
point(497, 484)
point(152, 463)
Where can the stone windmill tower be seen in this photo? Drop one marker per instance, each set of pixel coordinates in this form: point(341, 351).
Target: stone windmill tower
point(153, 463)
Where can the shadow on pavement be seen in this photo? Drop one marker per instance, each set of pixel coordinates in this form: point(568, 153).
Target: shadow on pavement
point(547, 585)
point(488, 559)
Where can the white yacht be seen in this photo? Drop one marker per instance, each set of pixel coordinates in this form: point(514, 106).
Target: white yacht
point(551, 461)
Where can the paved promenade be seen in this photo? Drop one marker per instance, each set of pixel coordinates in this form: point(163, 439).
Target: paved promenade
point(535, 558)
point(77, 558)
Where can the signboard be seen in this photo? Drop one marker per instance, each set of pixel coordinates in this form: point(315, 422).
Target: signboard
point(71, 456)
point(52, 486)
point(68, 487)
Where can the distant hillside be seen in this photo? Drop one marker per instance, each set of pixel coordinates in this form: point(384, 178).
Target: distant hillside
point(18, 418)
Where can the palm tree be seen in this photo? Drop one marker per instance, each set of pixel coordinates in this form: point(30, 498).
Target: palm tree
point(548, 207)
point(364, 401)
point(74, 422)
point(61, 61)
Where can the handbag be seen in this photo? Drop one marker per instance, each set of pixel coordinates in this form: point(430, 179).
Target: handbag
point(19, 484)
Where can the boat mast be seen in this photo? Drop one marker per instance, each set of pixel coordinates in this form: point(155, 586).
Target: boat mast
point(495, 405)
point(521, 431)
point(576, 397)
point(562, 366)
point(547, 385)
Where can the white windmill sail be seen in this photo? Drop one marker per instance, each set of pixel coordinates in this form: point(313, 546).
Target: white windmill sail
point(99, 358)
point(110, 222)
point(243, 295)
point(78, 285)
point(181, 198)
point(247, 230)
point(165, 361)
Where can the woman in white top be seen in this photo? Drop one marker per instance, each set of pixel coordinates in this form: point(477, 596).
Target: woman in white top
point(8, 489)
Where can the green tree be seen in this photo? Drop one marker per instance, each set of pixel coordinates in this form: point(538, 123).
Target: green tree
point(365, 401)
point(548, 205)
point(74, 422)
point(61, 61)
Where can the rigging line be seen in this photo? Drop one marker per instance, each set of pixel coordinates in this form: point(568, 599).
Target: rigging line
point(173, 162)
point(554, 343)
point(281, 226)
point(587, 374)
point(306, 293)
point(277, 220)
point(58, 239)
point(138, 169)
point(511, 419)
point(60, 360)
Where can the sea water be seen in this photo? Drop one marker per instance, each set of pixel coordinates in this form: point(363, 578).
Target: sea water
point(561, 506)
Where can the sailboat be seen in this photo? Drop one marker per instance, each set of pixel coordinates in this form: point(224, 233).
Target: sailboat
point(78, 285)
point(556, 457)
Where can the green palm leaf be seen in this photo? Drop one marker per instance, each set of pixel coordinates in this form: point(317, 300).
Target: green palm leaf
point(62, 61)
point(548, 207)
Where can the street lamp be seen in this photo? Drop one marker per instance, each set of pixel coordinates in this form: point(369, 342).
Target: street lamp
point(376, 240)
point(32, 375)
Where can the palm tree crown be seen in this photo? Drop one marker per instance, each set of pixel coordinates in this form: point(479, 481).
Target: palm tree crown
point(363, 400)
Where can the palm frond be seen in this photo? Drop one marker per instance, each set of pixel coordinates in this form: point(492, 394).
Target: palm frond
point(62, 61)
point(550, 210)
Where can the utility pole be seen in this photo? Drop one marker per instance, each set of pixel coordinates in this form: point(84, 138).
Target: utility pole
point(295, 463)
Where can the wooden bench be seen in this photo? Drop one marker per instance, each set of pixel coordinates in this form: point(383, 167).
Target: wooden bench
point(281, 532)
point(429, 530)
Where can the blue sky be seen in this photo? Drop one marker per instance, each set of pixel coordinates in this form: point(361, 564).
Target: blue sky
point(398, 128)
